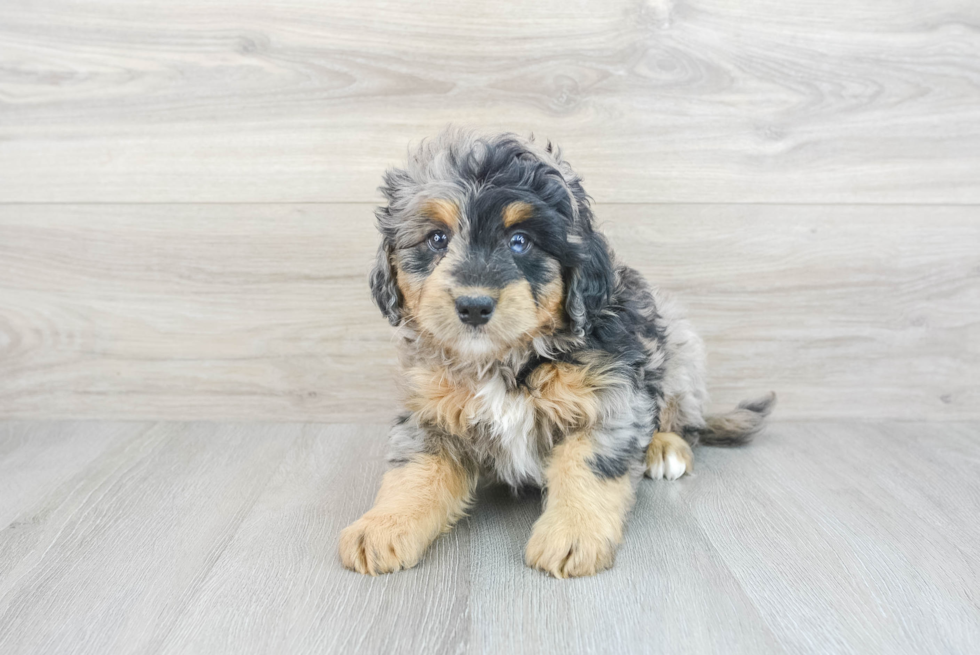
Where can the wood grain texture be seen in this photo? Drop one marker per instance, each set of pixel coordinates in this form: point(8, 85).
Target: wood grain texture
point(667, 593)
point(38, 457)
point(116, 556)
point(263, 311)
point(654, 101)
point(846, 537)
point(860, 522)
point(296, 597)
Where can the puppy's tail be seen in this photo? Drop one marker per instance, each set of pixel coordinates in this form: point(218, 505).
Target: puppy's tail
point(738, 426)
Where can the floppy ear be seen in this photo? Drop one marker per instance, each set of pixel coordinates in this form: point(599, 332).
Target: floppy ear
point(589, 283)
point(383, 287)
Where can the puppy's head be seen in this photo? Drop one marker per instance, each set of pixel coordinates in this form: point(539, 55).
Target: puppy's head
point(488, 242)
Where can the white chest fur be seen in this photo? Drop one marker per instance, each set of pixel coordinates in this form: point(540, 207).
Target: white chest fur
point(507, 436)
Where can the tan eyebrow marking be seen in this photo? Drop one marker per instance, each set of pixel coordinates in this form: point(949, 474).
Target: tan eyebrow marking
point(442, 210)
point(516, 212)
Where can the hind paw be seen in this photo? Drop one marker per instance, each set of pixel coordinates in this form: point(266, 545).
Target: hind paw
point(668, 457)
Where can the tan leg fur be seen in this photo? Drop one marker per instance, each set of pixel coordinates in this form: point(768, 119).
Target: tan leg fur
point(416, 503)
point(582, 523)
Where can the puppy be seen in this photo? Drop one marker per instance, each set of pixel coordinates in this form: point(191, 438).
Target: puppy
point(528, 356)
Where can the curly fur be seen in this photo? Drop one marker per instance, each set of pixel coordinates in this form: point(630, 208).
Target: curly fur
point(580, 349)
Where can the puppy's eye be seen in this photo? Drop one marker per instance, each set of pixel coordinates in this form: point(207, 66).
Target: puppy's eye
point(438, 240)
point(520, 242)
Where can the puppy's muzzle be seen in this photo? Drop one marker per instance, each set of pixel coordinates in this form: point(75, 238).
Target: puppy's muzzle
point(475, 310)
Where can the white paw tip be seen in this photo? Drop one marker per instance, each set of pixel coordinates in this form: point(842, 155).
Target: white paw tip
point(656, 471)
point(675, 467)
point(668, 467)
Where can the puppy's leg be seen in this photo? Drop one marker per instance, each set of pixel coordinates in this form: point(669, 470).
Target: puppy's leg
point(668, 456)
point(582, 523)
point(416, 502)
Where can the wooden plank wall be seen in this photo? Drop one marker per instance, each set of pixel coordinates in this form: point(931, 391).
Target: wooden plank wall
point(186, 190)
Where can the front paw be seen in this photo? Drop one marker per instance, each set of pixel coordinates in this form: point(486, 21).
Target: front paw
point(381, 543)
point(569, 550)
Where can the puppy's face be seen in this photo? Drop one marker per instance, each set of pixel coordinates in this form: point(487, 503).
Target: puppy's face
point(487, 242)
point(481, 274)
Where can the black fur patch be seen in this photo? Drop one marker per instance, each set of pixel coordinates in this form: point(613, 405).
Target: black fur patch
point(532, 364)
point(486, 266)
point(617, 463)
point(418, 260)
point(610, 467)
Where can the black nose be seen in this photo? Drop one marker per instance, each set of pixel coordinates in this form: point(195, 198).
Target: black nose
point(474, 310)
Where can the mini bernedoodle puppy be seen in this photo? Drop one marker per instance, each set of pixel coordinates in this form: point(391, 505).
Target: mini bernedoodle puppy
point(528, 356)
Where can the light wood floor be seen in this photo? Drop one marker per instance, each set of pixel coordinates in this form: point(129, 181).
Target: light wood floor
point(830, 537)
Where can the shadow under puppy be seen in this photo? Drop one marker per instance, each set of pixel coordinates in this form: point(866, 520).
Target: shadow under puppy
point(528, 355)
